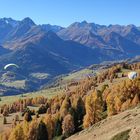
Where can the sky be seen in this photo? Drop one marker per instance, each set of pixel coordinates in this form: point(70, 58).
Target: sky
point(65, 12)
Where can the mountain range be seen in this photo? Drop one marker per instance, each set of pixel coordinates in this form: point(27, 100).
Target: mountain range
point(56, 50)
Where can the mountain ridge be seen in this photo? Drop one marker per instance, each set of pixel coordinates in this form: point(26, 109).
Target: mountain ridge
point(56, 50)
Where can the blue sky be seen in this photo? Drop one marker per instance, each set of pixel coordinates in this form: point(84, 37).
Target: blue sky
point(65, 12)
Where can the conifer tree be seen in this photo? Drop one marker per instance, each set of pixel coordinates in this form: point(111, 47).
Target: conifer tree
point(110, 106)
point(27, 117)
point(80, 110)
point(135, 100)
point(118, 104)
point(58, 128)
point(42, 133)
point(93, 109)
point(68, 125)
point(17, 133)
point(33, 128)
point(50, 125)
point(126, 105)
point(65, 107)
point(4, 120)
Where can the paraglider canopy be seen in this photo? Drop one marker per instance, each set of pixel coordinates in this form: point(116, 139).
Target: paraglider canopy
point(132, 75)
point(11, 65)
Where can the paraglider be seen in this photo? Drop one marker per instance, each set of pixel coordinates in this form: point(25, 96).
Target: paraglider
point(11, 65)
point(132, 75)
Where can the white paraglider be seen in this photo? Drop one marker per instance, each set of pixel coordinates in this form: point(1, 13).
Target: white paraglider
point(11, 65)
point(132, 75)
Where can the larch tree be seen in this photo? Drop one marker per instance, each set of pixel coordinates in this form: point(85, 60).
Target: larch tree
point(80, 110)
point(118, 104)
point(93, 109)
point(42, 133)
point(48, 120)
point(25, 126)
point(58, 128)
point(77, 111)
point(17, 133)
point(111, 105)
point(126, 105)
point(135, 100)
point(27, 117)
point(33, 128)
point(65, 107)
point(68, 125)
point(4, 120)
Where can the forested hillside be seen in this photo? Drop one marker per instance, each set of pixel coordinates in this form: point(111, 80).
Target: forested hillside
point(81, 105)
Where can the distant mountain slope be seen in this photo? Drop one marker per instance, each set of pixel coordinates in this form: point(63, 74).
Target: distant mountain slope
point(32, 59)
point(55, 50)
point(123, 38)
point(5, 28)
point(12, 29)
point(20, 30)
point(84, 33)
point(54, 28)
point(47, 52)
point(116, 41)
